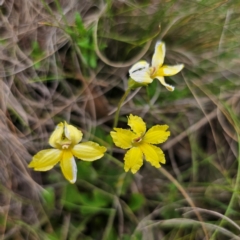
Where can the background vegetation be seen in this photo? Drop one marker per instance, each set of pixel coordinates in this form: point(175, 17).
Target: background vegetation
point(69, 60)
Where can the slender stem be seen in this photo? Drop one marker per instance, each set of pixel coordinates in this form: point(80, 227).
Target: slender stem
point(235, 195)
point(119, 107)
point(187, 197)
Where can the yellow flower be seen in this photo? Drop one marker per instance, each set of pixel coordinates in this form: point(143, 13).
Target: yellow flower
point(140, 143)
point(143, 74)
point(65, 141)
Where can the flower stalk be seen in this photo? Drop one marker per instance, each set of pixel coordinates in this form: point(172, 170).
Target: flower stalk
point(116, 118)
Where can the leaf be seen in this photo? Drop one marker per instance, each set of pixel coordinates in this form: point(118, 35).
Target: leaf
point(72, 194)
point(84, 43)
point(92, 59)
point(86, 171)
point(95, 199)
point(136, 201)
point(49, 197)
point(87, 210)
point(79, 24)
point(151, 89)
point(51, 236)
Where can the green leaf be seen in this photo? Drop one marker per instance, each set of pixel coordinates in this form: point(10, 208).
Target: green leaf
point(92, 60)
point(69, 31)
point(84, 43)
point(49, 197)
point(79, 24)
point(51, 236)
point(95, 199)
point(37, 54)
point(151, 89)
point(86, 210)
point(101, 199)
point(86, 171)
point(72, 194)
point(136, 201)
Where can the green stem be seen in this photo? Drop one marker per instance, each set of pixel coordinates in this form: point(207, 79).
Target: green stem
point(234, 199)
point(119, 107)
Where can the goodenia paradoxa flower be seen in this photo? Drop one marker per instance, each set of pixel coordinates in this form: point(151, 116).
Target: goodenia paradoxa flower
point(140, 143)
point(65, 142)
point(143, 74)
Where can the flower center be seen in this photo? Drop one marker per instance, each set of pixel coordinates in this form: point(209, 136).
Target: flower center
point(65, 146)
point(64, 143)
point(152, 71)
point(137, 140)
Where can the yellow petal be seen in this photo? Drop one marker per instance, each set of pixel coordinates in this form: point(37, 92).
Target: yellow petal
point(157, 134)
point(152, 154)
point(169, 70)
point(137, 125)
point(159, 55)
point(56, 136)
point(133, 160)
point(43, 169)
point(88, 151)
point(140, 72)
point(122, 137)
point(45, 159)
point(72, 133)
point(68, 166)
point(168, 87)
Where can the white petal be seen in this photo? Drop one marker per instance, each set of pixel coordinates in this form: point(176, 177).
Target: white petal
point(140, 72)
